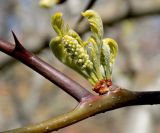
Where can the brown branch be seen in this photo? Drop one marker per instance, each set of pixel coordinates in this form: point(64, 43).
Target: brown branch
point(115, 98)
point(68, 85)
point(11, 61)
point(90, 106)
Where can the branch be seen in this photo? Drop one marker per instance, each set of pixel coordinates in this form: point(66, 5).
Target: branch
point(10, 62)
point(89, 105)
point(115, 98)
point(68, 85)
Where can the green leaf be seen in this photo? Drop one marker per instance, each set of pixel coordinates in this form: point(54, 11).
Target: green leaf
point(105, 60)
point(109, 52)
point(94, 56)
point(95, 22)
point(113, 49)
point(58, 24)
point(96, 28)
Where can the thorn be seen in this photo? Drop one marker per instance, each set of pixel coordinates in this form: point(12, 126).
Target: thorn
point(17, 42)
point(15, 38)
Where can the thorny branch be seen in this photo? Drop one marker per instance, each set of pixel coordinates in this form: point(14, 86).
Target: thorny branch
point(19, 52)
point(89, 104)
point(10, 62)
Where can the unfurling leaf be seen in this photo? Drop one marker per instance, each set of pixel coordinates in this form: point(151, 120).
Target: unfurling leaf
point(95, 22)
point(58, 24)
point(109, 52)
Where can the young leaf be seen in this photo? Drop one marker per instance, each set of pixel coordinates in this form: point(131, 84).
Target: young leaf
point(95, 22)
point(58, 24)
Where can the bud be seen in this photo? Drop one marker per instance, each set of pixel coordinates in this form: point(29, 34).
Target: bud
point(93, 59)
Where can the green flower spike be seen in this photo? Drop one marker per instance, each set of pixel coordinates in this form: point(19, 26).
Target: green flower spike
point(93, 58)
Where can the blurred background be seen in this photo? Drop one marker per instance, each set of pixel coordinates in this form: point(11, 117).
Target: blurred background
point(26, 97)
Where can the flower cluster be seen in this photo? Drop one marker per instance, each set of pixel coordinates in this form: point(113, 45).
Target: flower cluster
point(76, 52)
point(93, 58)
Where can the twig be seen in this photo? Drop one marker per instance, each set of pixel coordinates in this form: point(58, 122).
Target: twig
point(10, 62)
point(68, 85)
point(115, 98)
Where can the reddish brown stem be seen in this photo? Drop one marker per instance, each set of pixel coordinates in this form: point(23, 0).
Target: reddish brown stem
point(68, 85)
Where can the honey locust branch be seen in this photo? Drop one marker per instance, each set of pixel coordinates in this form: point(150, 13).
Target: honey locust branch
point(88, 104)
